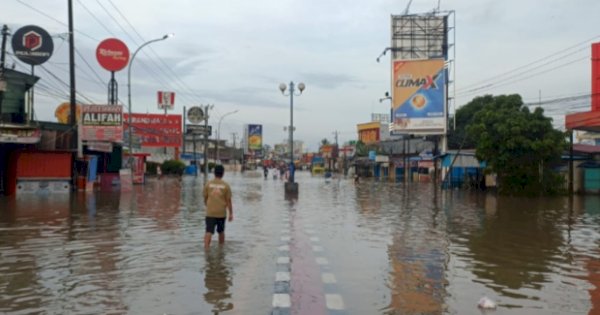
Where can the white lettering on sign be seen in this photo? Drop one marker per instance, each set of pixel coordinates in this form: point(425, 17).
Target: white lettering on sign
point(102, 119)
point(117, 55)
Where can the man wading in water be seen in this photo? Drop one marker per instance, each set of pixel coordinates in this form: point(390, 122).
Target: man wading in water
point(217, 198)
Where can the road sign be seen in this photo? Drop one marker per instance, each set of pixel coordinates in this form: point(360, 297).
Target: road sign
point(195, 115)
point(199, 130)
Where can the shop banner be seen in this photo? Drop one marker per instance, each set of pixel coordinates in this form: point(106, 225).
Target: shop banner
point(418, 98)
point(102, 123)
point(156, 130)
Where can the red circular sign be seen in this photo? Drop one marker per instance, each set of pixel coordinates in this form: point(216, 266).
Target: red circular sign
point(112, 54)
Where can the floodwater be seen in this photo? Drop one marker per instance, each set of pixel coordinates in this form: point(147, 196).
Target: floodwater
point(379, 247)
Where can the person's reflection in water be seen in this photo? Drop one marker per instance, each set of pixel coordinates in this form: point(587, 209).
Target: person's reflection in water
point(217, 280)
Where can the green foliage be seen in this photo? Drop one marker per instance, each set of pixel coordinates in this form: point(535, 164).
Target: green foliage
point(519, 145)
point(324, 141)
point(361, 149)
point(173, 167)
point(459, 137)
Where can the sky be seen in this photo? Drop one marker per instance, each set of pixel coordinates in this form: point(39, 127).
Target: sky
point(235, 53)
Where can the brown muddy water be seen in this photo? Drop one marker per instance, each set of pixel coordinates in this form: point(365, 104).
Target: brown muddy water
point(393, 248)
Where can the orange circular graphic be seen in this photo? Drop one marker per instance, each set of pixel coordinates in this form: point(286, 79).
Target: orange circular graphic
point(418, 101)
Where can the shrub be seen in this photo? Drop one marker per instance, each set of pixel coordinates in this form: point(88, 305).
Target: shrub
point(173, 167)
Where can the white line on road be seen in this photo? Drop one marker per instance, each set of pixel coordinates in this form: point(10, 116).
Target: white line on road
point(322, 261)
point(283, 260)
point(334, 301)
point(285, 238)
point(314, 239)
point(328, 278)
point(281, 300)
point(285, 248)
point(317, 248)
point(282, 276)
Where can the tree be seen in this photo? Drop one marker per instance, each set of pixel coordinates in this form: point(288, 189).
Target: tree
point(458, 138)
point(520, 146)
point(324, 141)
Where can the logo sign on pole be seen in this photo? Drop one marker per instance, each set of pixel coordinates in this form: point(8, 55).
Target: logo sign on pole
point(112, 54)
point(32, 45)
point(166, 100)
point(195, 115)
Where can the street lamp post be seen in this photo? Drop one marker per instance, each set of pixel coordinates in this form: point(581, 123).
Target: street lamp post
point(219, 132)
point(129, 94)
point(291, 187)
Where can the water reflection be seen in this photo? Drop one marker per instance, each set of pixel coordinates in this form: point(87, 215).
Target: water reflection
point(217, 280)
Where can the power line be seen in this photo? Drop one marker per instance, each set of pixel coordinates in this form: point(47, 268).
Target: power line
point(493, 78)
point(54, 19)
point(500, 84)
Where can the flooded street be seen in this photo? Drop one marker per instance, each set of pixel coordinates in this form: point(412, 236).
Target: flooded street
point(341, 248)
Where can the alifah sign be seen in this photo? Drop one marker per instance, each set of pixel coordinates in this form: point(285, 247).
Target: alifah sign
point(102, 123)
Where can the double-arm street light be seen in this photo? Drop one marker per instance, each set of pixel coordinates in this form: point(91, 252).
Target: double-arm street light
point(219, 132)
point(129, 93)
point(290, 186)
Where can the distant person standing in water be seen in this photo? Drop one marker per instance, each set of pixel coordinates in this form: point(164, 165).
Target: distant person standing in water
point(217, 198)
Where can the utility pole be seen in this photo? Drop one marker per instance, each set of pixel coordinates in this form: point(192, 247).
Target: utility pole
point(206, 116)
point(73, 107)
point(335, 133)
point(5, 33)
point(234, 135)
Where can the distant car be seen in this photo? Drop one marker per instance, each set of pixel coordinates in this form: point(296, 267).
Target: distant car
point(318, 169)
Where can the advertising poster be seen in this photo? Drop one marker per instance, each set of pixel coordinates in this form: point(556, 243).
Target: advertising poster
point(419, 97)
point(102, 123)
point(255, 137)
point(156, 130)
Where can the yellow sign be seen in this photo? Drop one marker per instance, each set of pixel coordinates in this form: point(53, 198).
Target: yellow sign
point(63, 110)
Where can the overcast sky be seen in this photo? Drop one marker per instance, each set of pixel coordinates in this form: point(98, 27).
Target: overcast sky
point(234, 54)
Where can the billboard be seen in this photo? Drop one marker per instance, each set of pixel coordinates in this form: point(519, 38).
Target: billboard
point(254, 138)
point(419, 96)
point(102, 123)
point(156, 130)
point(419, 36)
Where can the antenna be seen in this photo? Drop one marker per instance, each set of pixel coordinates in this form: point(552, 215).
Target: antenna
point(407, 7)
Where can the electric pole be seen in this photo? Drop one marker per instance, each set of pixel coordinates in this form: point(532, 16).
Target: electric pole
point(233, 155)
point(206, 116)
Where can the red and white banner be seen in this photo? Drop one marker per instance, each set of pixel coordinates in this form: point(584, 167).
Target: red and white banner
point(156, 130)
point(166, 100)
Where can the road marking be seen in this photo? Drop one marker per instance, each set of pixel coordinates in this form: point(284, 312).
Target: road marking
point(281, 300)
point(328, 278)
point(322, 261)
point(285, 248)
point(283, 260)
point(317, 248)
point(314, 239)
point(282, 276)
point(334, 301)
point(285, 238)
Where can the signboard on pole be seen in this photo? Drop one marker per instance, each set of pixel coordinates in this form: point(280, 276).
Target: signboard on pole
point(419, 96)
point(195, 115)
point(112, 54)
point(198, 130)
point(166, 100)
point(102, 123)
point(32, 45)
point(255, 137)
